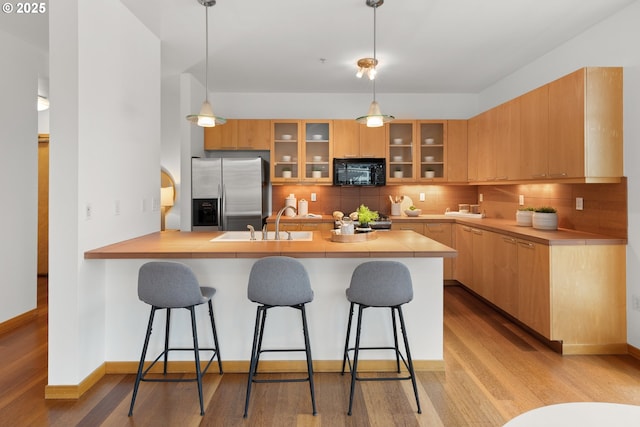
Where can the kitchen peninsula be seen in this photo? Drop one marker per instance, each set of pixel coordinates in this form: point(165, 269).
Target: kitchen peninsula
point(226, 266)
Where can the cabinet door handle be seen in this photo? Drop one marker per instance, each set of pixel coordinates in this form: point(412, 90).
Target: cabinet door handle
point(526, 245)
point(476, 231)
point(509, 240)
point(558, 175)
point(467, 229)
point(539, 175)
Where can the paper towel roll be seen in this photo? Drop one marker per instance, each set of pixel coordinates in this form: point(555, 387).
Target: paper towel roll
point(303, 207)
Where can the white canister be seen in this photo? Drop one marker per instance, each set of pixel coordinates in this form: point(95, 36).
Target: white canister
point(303, 207)
point(290, 201)
point(395, 209)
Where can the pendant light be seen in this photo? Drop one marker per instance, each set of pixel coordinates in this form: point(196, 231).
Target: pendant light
point(374, 117)
point(205, 117)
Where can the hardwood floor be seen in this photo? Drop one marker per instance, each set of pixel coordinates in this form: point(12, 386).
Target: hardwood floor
point(494, 371)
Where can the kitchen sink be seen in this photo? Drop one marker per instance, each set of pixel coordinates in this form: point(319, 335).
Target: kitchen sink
point(245, 236)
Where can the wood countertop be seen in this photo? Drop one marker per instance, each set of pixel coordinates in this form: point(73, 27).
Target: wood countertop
point(177, 244)
point(562, 236)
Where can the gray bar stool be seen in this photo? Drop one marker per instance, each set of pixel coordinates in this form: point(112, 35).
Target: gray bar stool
point(379, 284)
point(278, 281)
point(169, 285)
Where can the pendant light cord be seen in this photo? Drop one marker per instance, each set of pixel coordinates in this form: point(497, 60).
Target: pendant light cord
point(206, 55)
point(375, 7)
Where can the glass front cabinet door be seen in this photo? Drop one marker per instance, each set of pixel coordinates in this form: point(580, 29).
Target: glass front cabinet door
point(285, 151)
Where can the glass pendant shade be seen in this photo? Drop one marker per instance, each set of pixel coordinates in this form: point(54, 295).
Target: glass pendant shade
point(205, 117)
point(374, 117)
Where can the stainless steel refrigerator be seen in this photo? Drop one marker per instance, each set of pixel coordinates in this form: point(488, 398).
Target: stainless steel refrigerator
point(229, 193)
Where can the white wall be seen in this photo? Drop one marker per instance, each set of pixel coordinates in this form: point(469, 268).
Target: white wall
point(613, 42)
point(18, 175)
point(104, 151)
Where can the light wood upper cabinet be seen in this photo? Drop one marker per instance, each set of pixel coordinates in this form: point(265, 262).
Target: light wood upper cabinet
point(457, 150)
point(534, 133)
point(585, 124)
point(401, 143)
point(507, 143)
point(472, 149)
point(352, 139)
point(487, 151)
point(432, 151)
point(254, 134)
point(236, 134)
point(222, 137)
point(317, 151)
point(286, 151)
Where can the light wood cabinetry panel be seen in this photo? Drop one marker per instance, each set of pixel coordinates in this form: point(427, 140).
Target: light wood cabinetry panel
point(245, 134)
point(472, 149)
point(352, 139)
point(346, 138)
point(507, 143)
point(571, 294)
point(504, 265)
point(534, 300)
point(222, 137)
point(487, 149)
point(585, 124)
point(463, 263)
point(254, 134)
point(456, 151)
point(373, 141)
point(441, 232)
point(534, 133)
point(418, 227)
point(588, 298)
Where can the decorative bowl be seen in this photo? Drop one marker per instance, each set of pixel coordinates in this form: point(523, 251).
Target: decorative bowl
point(316, 136)
point(317, 158)
point(286, 158)
point(413, 212)
point(429, 141)
point(397, 158)
point(429, 158)
point(286, 136)
point(397, 140)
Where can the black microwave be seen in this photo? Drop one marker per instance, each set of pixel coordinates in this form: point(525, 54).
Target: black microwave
point(359, 171)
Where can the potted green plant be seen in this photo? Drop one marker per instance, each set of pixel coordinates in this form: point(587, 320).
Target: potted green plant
point(429, 173)
point(286, 172)
point(524, 216)
point(316, 172)
point(397, 173)
point(545, 218)
point(365, 216)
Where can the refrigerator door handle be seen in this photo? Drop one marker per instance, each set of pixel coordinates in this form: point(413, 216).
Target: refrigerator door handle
point(223, 211)
point(221, 226)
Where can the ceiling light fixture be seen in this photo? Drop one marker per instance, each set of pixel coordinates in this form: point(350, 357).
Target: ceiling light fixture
point(205, 117)
point(43, 103)
point(368, 66)
point(374, 117)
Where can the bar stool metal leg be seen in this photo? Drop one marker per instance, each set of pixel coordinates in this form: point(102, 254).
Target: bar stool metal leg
point(142, 358)
point(409, 359)
point(166, 339)
point(196, 353)
point(215, 336)
point(307, 347)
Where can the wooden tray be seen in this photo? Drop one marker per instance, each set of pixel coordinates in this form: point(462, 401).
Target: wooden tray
point(352, 238)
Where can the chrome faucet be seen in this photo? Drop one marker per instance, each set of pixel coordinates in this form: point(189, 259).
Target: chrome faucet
point(253, 231)
point(280, 212)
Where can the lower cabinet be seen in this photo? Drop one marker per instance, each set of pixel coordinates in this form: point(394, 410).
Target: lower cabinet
point(571, 294)
point(438, 231)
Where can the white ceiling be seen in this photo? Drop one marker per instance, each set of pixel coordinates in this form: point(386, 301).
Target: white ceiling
point(423, 46)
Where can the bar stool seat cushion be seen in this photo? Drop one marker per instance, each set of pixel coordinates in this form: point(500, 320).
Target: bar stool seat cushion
point(279, 281)
point(380, 284)
point(171, 285)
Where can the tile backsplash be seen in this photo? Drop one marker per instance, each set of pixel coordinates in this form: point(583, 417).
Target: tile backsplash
point(605, 205)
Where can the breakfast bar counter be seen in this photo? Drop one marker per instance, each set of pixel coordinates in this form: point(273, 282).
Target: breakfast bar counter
point(225, 265)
